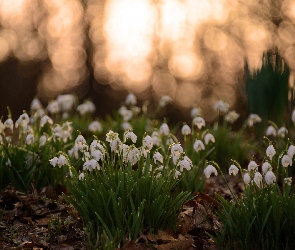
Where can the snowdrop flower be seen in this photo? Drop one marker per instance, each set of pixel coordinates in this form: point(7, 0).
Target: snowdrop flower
point(286, 161)
point(45, 119)
point(8, 124)
point(164, 129)
point(177, 174)
point(91, 165)
point(125, 113)
point(252, 166)
point(291, 151)
point(164, 100)
point(130, 135)
point(186, 130)
point(53, 161)
point(199, 122)
point(53, 107)
point(270, 151)
point(30, 139)
point(176, 151)
point(80, 143)
point(136, 110)
point(271, 131)
point(282, 131)
point(95, 126)
point(86, 107)
point(199, 145)
point(111, 136)
point(288, 181)
point(210, 170)
point(126, 125)
point(133, 155)
point(62, 160)
point(170, 141)
point(233, 170)
point(131, 99)
point(209, 137)
point(95, 145)
point(253, 118)
point(258, 179)
point(293, 116)
point(115, 145)
point(221, 107)
point(66, 102)
point(156, 138)
point(158, 157)
point(266, 167)
point(23, 120)
point(97, 155)
point(270, 178)
point(57, 132)
point(185, 163)
point(195, 111)
point(147, 143)
point(247, 178)
point(74, 152)
point(42, 140)
point(81, 176)
point(35, 104)
point(231, 117)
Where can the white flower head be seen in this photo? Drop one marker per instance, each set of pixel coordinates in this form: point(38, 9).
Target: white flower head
point(158, 157)
point(271, 131)
point(130, 135)
point(53, 107)
point(231, 116)
point(111, 136)
point(199, 122)
point(288, 181)
point(36, 104)
point(91, 165)
point(30, 139)
point(252, 119)
point(210, 170)
point(291, 151)
point(131, 99)
point(8, 124)
point(221, 106)
point(62, 160)
point(282, 131)
point(66, 102)
point(126, 126)
point(186, 130)
point(74, 152)
point(133, 155)
point(125, 113)
point(53, 161)
point(286, 161)
point(270, 178)
point(23, 120)
point(42, 140)
point(195, 111)
point(164, 100)
point(209, 138)
point(81, 176)
point(252, 166)
point(80, 143)
point(266, 167)
point(176, 150)
point(177, 174)
point(45, 119)
point(233, 170)
point(199, 145)
point(95, 126)
point(147, 143)
point(258, 179)
point(186, 163)
point(270, 151)
point(164, 129)
point(247, 178)
point(156, 138)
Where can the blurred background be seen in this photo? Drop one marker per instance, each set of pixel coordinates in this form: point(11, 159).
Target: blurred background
point(196, 51)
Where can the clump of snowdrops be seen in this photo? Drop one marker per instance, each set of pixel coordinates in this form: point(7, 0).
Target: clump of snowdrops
point(122, 190)
point(264, 217)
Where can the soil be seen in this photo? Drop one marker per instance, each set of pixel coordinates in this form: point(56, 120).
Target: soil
point(45, 221)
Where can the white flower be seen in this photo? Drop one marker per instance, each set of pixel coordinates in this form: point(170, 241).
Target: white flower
point(286, 161)
point(210, 170)
point(258, 179)
point(66, 102)
point(111, 136)
point(164, 100)
point(291, 151)
point(177, 174)
point(8, 124)
point(115, 145)
point(158, 157)
point(130, 135)
point(35, 104)
point(126, 125)
point(80, 143)
point(45, 119)
point(221, 106)
point(53, 161)
point(282, 131)
point(164, 129)
point(266, 167)
point(270, 151)
point(30, 139)
point(81, 176)
point(176, 150)
point(156, 138)
point(185, 163)
point(199, 122)
point(270, 178)
point(199, 145)
point(91, 165)
point(147, 143)
point(62, 160)
point(288, 181)
point(86, 107)
point(271, 131)
point(74, 152)
point(133, 155)
point(125, 113)
point(231, 117)
point(233, 170)
point(186, 130)
point(95, 126)
point(131, 99)
point(209, 137)
point(293, 116)
point(247, 178)
point(42, 140)
point(23, 120)
point(252, 166)
point(53, 107)
point(97, 155)
point(195, 111)
point(169, 141)
point(253, 118)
